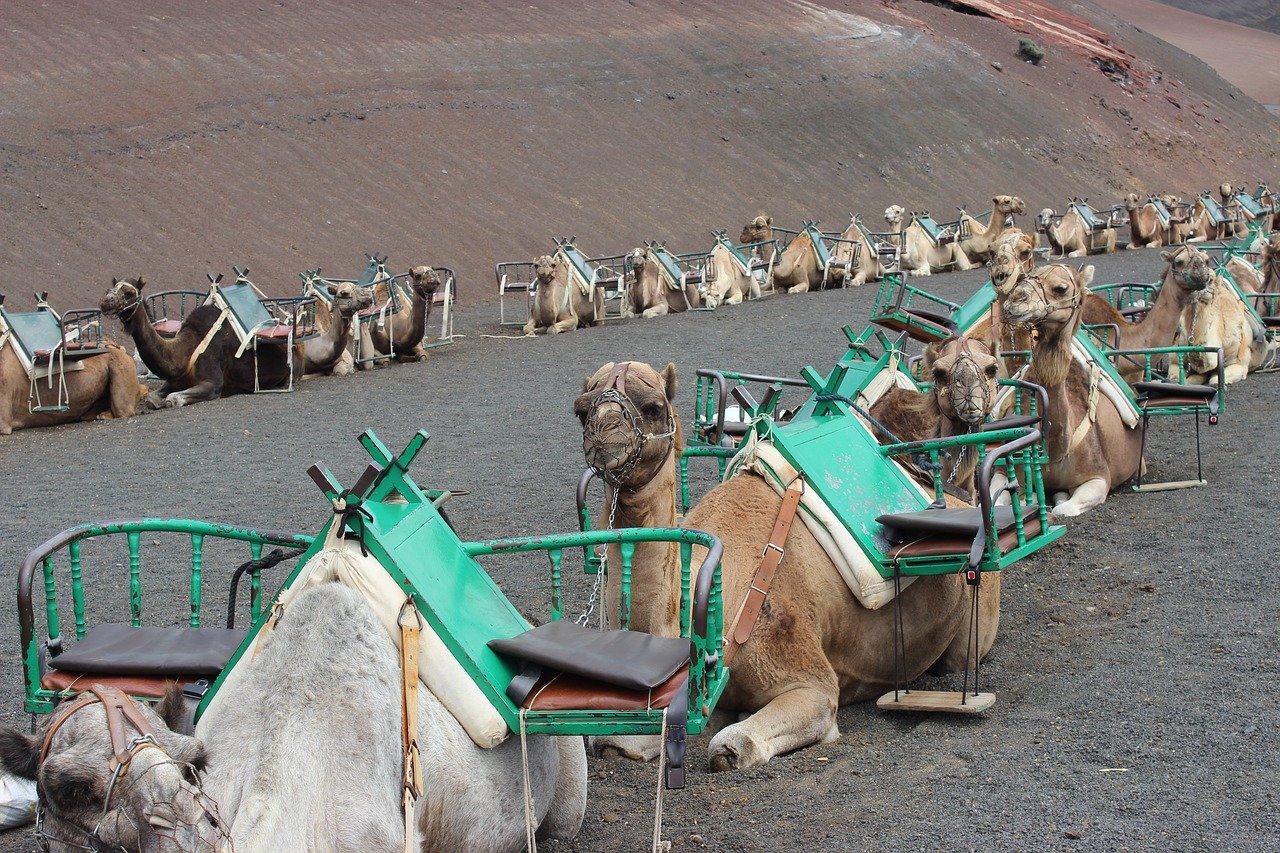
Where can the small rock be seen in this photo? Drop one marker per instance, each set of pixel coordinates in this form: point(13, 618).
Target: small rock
point(1071, 833)
point(725, 138)
point(696, 838)
point(671, 96)
point(997, 66)
point(612, 817)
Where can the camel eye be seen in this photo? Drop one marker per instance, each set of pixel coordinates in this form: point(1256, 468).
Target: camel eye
point(939, 374)
point(991, 371)
point(651, 410)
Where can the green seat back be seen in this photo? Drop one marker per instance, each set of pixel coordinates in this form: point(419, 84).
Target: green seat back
point(245, 305)
point(33, 331)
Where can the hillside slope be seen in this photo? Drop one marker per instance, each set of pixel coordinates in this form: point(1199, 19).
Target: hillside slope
point(147, 137)
point(1260, 14)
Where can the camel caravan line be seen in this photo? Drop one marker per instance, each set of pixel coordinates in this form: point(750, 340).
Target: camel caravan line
point(206, 344)
point(569, 289)
point(853, 544)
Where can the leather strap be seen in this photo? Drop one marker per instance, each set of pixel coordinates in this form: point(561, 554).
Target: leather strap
point(758, 592)
point(117, 707)
point(410, 628)
point(208, 339)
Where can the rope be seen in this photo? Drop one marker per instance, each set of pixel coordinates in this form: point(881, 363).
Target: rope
point(658, 844)
point(530, 829)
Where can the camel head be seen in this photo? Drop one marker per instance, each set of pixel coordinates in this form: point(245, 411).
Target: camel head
point(1048, 298)
point(893, 215)
point(1225, 191)
point(757, 230)
point(1044, 218)
point(963, 372)
point(348, 299)
point(154, 805)
point(1007, 206)
point(1189, 268)
point(1011, 258)
point(630, 428)
point(1132, 202)
point(545, 268)
point(124, 297)
point(425, 281)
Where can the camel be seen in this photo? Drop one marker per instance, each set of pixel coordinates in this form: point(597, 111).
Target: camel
point(1270, 264)
point(1090, 449)
point(1072, 237)
point(728, 281)
point(330, 351)
point(1202, 227)
point(106, 386)
point(558, 304)
point(301, 774)
point(982, 238)
point(920, 255)
point(156, 806)
point(402, 333)
point(1147, 226)
point(963, 372)
point(649, 295)
point(816, 647)
point(1217, 317)
point(200, 361)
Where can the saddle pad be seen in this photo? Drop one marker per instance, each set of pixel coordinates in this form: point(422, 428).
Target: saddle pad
point(871, 589)
point(631, 659)
point(949, 522)
point(124, 650)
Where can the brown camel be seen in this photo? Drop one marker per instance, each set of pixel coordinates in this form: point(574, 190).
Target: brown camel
point(402, 333)
point(1072, 237)
point(330, 351)
point(200, 361)
point(1202, 225)
point(1216, 316)
point(815, 646)
point(559, 305)
point(1147, 225)
point(105, 386)
point(982, 238)
point(920, 254)
point(963, 372)
point(1090, 449)
point(649, 294)
point(154, 804)
point(1270, 263)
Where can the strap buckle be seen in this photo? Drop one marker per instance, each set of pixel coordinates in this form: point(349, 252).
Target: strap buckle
point(778, 548)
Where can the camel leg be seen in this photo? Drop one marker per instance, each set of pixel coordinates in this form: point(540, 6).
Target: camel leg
point(564, 815)
point(1234, 373)
point(1084, 497)
point(345, 366)
point(197, 393)
point(734, 298)
point(123, 389)
point(962, 260)
point(802, 287)
point(634, 747)
point(563, 326)
point(792, 720)
point(656, 311)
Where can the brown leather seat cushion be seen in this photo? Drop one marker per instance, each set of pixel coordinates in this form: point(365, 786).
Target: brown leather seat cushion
point(114, 649)
point(134, 685)
point(1159, 391)
point(558, 691)
point(1156, 402)
point(941, 547)
point(167, 328)
point(277, 331)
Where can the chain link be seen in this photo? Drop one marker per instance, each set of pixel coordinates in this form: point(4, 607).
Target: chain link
point(585, 618)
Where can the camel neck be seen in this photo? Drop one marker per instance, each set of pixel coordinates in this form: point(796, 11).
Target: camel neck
point(655, 565)
point(157, 353)
point(1158, 327)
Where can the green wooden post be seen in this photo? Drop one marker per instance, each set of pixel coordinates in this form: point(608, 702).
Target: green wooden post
point(135, 577)
point(556, 556)
point(77, 587)
point(686, 600)
point(628, 550)
point(197, 560)
point(255, 582)
point(51, 601)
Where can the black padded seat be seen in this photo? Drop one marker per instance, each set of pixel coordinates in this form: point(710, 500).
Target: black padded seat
point(1156, 391)
point(948, 522)
point(114, 649)
point(1011, 422)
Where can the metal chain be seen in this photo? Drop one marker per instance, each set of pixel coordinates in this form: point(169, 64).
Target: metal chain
point(585, 618)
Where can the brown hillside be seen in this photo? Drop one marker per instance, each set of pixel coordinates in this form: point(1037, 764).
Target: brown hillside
point(1261, 14)
point(170, 139)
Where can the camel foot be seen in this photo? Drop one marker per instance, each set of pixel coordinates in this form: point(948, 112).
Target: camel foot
point(154, 400)
point(1084, 497)
point(175, 400)
point(5, 429)
point(735, 748)
point(632, 747)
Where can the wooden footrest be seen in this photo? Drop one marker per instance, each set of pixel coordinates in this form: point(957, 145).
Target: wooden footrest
point(936, 701)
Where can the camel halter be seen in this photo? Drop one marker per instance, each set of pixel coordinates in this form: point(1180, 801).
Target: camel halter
point(117, 707)
point(601, 424)
point(1073, 302)
point(131, 306)
point(1184, 275)
point(966, 368)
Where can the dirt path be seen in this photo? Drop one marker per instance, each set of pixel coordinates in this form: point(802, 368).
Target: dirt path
point(1137, 664)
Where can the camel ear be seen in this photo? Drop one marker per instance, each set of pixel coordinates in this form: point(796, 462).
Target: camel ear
point(930, 356)
point(69, 784)
point(140, 283)
point(768, 220)
point(1086, 276)
point(586, 383)
point(669, 380)
point(1168, 256)
point(170, 707)
point(19, 753)
point(114, 281)
point(332, 288)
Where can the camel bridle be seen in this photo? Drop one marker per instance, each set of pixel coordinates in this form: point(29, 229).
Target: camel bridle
point(1184, 275)
point(118, 708)
point(605, 420)
point(130, 306)
point(1052, 306)
point(963, 374)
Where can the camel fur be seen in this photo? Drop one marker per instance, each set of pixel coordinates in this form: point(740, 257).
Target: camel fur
point(1217, 317)
point(1145, 225)
point(161, 807)
point(648, 295)
point(963, 372)
point(190, 376)
point(815, 647)
point(982, 239)
point(1202, 227)
point(404, 331)
point(920, 255)
point(305, 749)
point(1270, 264)
point(106, 386)
point(330, 351)
point(558, 304)
point(1085, 463)
point(1071, 237)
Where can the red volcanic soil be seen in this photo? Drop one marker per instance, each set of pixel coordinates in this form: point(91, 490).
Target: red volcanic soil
point(1245, 57)
point(170, 139)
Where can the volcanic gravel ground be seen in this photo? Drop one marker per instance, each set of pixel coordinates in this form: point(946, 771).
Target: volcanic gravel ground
point(1136, 664)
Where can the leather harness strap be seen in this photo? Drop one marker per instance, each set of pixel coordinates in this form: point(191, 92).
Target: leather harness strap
point(118, 707)
point(762, 580)
point(410, 629)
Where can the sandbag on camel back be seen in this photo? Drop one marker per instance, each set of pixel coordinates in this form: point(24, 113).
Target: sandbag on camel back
point(341, 561)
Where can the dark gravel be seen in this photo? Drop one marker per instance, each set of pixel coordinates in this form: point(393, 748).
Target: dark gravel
point(1136, 668)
